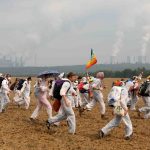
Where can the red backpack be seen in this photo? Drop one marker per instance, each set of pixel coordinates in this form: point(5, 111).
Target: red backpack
point(81, 89)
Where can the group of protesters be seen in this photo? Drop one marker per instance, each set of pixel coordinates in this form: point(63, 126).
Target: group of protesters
point(71, 91)
point(21, 91)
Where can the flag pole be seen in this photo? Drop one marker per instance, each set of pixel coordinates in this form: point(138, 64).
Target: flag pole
point(88, 81)
point(87, 73)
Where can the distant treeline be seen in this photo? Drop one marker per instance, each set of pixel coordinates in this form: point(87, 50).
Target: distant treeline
point(127, 73)
point(111, 71)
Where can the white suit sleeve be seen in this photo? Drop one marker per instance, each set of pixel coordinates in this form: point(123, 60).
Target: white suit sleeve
point(86, 87)
point(96, 84)
point(136, 85)
point(73, 91)
point(5, 85)
point(124, 97)
point(65, 88)
point(52, 89)
point(24, 86)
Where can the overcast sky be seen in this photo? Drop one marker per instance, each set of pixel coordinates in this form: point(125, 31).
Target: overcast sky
point(62, 32)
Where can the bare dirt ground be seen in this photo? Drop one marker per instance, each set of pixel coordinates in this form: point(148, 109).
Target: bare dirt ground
point(18, 133)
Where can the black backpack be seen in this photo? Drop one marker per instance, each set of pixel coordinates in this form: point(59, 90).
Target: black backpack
point(143, 88)
point(20, 84)
point(57, 88)
point(1, 80)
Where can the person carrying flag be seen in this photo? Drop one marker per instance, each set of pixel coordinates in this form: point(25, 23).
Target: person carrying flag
point(96, 88)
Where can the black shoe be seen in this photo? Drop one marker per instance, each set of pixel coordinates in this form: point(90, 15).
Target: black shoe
point(138, 113)
point(67, 123)
point(32, 120)
point(100, 134)
point(48, 125)
point(3, 110)
point(104, 117)
point(129, 137)
point(81, 110)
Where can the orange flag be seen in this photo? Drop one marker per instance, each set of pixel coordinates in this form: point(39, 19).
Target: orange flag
point(92, 61)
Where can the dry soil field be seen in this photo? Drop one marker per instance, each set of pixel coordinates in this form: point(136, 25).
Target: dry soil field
point(18, 133)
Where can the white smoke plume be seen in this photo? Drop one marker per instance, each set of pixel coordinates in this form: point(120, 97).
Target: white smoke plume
point(118, 44)
point(127, 22)
point(145, 40)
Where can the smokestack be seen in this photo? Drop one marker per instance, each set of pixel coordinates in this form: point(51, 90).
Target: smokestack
point(145, 59)
point(21, 62)
point(134, 60)
point(128, 60)
point(113, 60)
point(16, 62)
point(140, 60)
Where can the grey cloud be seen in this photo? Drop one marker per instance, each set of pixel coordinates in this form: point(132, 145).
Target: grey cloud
point(62, 32)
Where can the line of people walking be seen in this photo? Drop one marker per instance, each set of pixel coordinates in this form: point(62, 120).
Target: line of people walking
point(83, 93)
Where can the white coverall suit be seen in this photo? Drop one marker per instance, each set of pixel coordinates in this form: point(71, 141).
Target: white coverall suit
point(117, 119)
point(66, 111)
point(4, 94)
point(97, 96)
point(25, 95)
point(146, 108)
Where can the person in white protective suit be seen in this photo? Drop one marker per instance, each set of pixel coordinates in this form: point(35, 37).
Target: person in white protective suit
point(4, 92)
point(25, 93)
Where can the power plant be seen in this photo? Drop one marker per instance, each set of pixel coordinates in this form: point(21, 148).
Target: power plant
point(19, 61)
point(9, 61)
point(130, 60)
point(113, 60)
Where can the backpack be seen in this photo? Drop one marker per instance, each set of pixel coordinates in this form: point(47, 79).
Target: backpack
point(20, 84)
point(143, 88)
point(114, 95)
point(57, 87)
point(128, 80)
point(81, 88)
point(1, 80)
point(118, 109)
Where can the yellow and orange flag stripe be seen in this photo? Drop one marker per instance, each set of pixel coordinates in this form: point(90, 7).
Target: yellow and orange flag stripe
point(92, 61)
